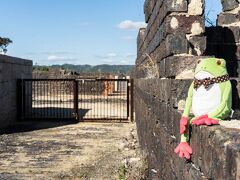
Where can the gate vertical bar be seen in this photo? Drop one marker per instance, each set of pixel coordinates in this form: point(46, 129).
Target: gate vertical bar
point(128, 94)
point(132, 99)
point(75, 94)
point(23, 99)
point(19, 99)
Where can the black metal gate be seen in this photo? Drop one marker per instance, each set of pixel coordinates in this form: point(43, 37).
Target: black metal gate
point(79, 99)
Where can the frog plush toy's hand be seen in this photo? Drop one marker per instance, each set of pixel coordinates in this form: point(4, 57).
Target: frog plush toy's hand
point(183, 124)
point(205, 120)
point(201, 117)
point(183, 150)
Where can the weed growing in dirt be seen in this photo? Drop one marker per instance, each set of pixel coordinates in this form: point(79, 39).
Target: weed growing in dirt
point(122, 172)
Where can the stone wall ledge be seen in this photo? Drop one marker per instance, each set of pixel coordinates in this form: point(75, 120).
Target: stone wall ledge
point(14, 60)
point(216, 149)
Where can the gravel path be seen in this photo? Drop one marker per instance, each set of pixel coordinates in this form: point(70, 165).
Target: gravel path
point(74, 151)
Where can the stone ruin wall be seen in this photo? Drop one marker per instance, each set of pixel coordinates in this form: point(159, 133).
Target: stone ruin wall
point(11, 69)
point(167, 53)
point(223, 40)
point(174, 36)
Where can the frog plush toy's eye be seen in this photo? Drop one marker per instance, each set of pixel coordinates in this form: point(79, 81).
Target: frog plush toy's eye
point(219, 62)
point(199, 61)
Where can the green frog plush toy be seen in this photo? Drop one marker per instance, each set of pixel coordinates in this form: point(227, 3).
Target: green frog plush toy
point(209, 98)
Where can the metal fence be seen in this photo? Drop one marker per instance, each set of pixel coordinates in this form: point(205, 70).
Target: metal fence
point(81, 99)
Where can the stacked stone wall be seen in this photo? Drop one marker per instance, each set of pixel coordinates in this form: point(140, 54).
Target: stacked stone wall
point(174, 34)
point(223, 41)
point(216, 150)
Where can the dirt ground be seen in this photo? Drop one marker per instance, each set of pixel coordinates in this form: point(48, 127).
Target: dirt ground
point(54, 150)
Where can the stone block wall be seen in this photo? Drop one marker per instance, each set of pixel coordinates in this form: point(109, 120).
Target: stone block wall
point(223, 41)
point(167, 53)
point(216, 150)
point(175, 32)
point(11, 69)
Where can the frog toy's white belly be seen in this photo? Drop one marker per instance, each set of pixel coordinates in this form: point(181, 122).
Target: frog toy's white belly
point(205, 100)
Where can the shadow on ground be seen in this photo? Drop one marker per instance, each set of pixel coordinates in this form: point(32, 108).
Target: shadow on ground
point(32, 125)
point(52, 113)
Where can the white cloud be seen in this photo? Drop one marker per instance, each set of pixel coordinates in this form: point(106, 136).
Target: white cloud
point(114, 58)
point(124, 62)
point(130, 55)
point(57, 53)
point(131, 25)
point(107, 60)
point(128, 38)
point(108, 56)
point(60, 58)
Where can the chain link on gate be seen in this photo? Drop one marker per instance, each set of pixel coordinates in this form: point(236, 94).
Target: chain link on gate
point(79, 99)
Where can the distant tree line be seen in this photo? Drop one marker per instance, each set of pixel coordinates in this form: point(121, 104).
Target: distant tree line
point(41, 68)
point(104, 68)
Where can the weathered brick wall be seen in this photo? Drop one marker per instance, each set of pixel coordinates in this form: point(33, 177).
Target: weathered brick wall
point(11, 69)
point(167, 52)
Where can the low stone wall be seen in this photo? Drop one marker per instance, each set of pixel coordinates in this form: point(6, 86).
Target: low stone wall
point(216, 150)
point(11, 69)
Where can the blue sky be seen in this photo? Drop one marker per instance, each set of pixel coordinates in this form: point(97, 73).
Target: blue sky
point(74, 31)
point(213, 8)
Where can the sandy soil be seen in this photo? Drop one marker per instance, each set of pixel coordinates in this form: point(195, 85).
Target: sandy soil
point(70, 151)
